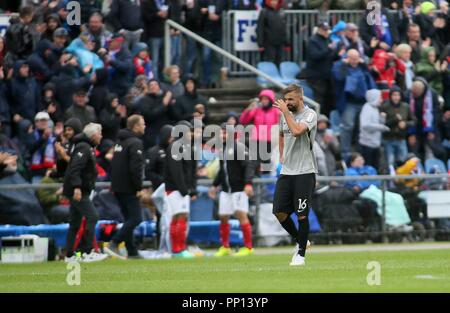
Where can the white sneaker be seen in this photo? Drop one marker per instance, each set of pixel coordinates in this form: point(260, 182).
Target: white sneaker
point(308, 246)
point(113, 250)
point(94, 257)
point(297, 260)
point(296, 248)
point(73, 258)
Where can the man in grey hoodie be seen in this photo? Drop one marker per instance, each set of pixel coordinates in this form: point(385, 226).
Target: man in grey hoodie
point(371, 125)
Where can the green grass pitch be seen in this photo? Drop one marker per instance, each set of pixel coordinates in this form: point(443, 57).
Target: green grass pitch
point(401, 271)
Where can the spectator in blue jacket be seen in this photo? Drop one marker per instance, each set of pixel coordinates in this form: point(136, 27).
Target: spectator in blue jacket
point(119, 63)
point(41, 143)
point(5, 111)
point(384, 30)
point(211, 11)
point(25, 95)
point(337, 33)
point(43, 62)
point(352, 80)
point(357, 168)
point(82, 48)
point(69, 80)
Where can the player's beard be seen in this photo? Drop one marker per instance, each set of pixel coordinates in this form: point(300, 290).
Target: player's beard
point(292, 108)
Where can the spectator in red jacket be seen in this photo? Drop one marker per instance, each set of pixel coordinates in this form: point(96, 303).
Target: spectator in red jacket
point(385, 68)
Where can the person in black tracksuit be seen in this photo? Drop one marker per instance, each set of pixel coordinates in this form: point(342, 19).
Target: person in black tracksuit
point(79, 181)
point(72, 127)
point(235, 177)
point(181, 184)
point(127, 175)
point(155, 159)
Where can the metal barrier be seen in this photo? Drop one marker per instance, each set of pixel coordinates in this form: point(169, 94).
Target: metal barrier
point(335, 16)
point(225, 54)
point(4, 23)
point(443, 179)
point(299, 26)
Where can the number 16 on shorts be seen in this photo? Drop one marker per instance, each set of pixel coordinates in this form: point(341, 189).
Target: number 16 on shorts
point(302, 205)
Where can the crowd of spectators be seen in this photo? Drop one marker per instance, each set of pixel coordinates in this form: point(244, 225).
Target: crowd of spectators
point(382, 87)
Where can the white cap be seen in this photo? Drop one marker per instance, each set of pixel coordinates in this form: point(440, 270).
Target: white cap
point(42, 116)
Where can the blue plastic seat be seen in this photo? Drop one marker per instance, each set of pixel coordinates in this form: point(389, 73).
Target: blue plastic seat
point(289, 72)
point(270, 69)
point(421, 168)
point(202, 209)
point(435, 166)
point(307, 91)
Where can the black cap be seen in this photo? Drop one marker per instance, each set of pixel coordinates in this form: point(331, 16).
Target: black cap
point(323, 25)
point(80, 92)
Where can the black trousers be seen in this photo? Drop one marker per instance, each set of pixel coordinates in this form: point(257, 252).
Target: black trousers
point(132, 212)
point(273, 54)
point(323, 90)
point(371, 156)
point(78, 210)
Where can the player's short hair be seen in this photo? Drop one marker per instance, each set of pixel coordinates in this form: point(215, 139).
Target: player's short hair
point(133, 120)
point(292, 88)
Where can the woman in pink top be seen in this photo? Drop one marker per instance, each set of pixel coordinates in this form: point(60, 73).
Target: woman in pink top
point(263, 117)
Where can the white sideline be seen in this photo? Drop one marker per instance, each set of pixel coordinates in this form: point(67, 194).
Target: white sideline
point(358, 248)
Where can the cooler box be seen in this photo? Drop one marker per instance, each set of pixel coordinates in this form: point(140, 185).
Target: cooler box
point(23, 249)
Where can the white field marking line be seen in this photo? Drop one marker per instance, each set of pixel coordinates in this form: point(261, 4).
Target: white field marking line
point(428, 277)
point(359, 248)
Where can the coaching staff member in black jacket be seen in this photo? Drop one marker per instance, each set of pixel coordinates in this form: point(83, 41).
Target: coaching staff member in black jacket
point(127, 177)
point(79, 181)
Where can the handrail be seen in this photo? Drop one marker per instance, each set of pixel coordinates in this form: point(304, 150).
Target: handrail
point(255, 181)
point(224, 53)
